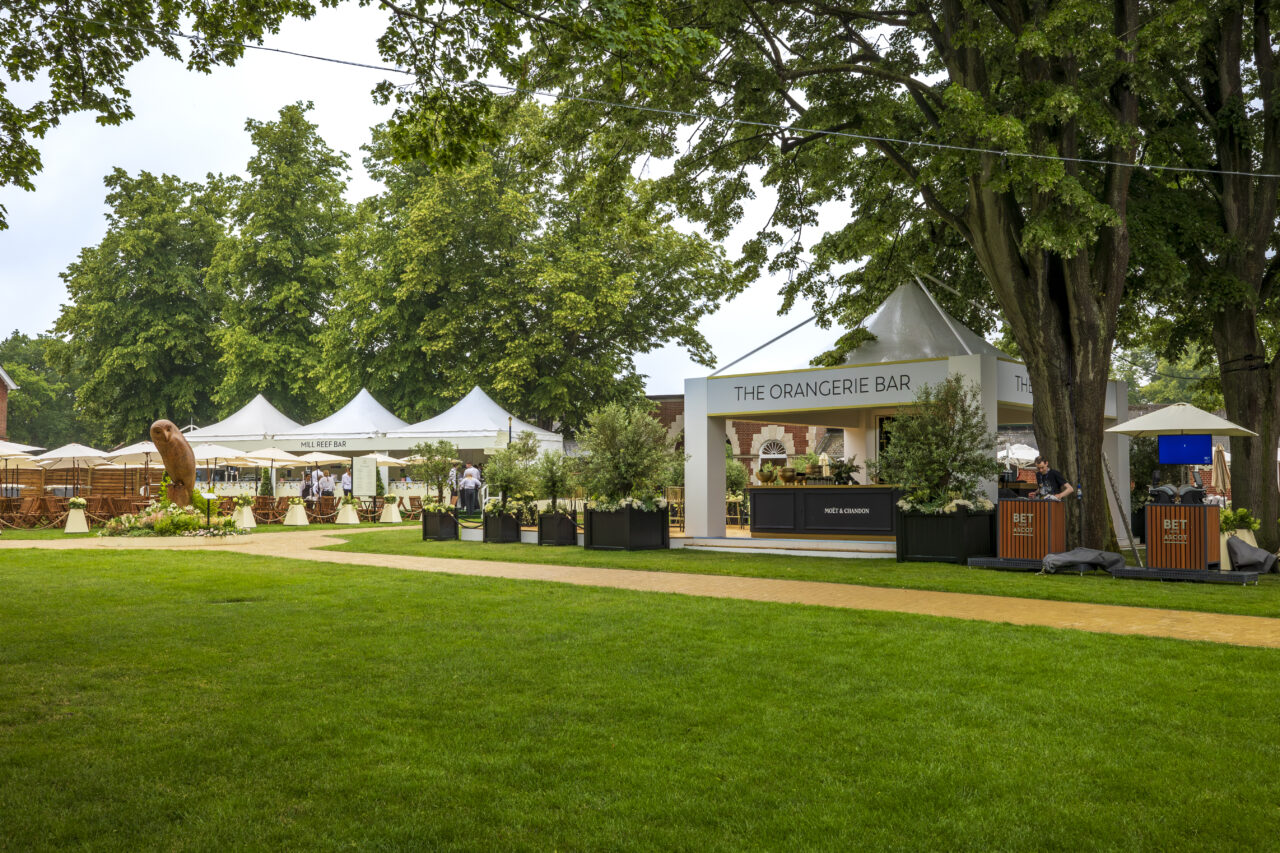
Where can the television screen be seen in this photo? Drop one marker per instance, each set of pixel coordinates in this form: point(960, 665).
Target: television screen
point(1185, 449)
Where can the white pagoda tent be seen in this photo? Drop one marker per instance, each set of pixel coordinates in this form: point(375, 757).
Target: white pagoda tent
point(251, 428)
point(475, 422)
point(362, 424)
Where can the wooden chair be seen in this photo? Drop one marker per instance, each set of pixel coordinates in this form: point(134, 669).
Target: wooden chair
point(99, 509)
point(266, 509)
point(323, 510)
point(414, 510)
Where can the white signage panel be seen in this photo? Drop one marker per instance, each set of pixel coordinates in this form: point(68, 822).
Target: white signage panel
point(1013, 383)
point(364, 477)
point(852, 387)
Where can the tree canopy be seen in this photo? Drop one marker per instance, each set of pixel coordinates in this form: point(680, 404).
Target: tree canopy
point(76, 57)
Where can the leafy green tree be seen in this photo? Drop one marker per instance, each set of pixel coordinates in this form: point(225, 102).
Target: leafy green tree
point(280, 266)
point(435, 462)
point(941, 448)
point(528, 271)
point(917, 82)
point(140, 321)
point(510, 470)
point(554, 475)
point(626, 453)
point(42, 410)
point(79, 55)
point(1206, 242)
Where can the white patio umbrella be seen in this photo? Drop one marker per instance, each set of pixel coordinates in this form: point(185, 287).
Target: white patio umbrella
point(215, 453)
point(139, 453)
point(272, 456)
point(384, 461)
point(1179, 419)
point(1221, 469)
point(13, 462)
point(11, 448)
point(72, 457)
point(1021, 455)
point(317, 457)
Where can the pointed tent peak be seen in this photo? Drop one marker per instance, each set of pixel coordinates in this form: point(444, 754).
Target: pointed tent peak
point(363, 417)
point(256, 421)
point(476, 420)
point(910, 324)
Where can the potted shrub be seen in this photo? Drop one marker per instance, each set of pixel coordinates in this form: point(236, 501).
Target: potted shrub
point(509, 473)
point(552, 474)
point(768, 473)
point(626, 454)
point(842, 471)
point(76, 521)
point(297, 514)
point(941, 454)
point(438, 522)
point(812, 464)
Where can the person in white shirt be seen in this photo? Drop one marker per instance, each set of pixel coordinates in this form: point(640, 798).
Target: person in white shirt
point(470, 486)
point(346, 482)
point(315, 482)
point(326, 485)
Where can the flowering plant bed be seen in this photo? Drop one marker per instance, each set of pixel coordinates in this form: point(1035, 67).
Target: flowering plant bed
point(950, 537)
point(439, 526)
point(169, 519)
point(77, 503)
point(627, 528)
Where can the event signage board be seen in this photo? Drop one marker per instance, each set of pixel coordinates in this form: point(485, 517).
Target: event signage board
point(364, 477)
point(818, 511)
point(858, 386)
point(1013, 383)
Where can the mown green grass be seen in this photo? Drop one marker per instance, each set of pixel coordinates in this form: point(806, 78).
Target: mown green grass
point(219, 701)
point(15, 534)
point(1098, 587)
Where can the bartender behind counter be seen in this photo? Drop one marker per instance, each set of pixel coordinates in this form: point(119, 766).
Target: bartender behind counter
point(1051, 484)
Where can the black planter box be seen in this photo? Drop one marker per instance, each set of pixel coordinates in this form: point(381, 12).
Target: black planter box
point(557, 528)
point(946, 538)
point(627, 529)
point(439, 526)
point(501, 527)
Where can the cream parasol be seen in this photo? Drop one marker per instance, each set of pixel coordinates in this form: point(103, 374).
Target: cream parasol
point(1179, 419)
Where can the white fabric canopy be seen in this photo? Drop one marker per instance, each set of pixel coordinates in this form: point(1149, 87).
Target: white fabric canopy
point(257, 421)
point(476, 422)
point(272, 456)
point(384, 461)
point(71, 456)
point(141, 453)
point(1018, 454)
point(363, 417)
point(1179, 419)
point(318, 458)
point(10, 448)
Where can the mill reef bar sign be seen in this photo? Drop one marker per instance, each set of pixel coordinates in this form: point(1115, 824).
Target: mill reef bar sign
point(852, 387)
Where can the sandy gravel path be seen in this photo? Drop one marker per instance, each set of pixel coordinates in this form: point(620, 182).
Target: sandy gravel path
point(1098, 618)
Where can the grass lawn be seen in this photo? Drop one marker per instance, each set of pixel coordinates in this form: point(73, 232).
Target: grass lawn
point(12, 534)
point(1098, 587)
point(215, 700)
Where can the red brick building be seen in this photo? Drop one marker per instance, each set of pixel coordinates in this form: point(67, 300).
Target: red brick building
point(6, 385)
point(754, 443)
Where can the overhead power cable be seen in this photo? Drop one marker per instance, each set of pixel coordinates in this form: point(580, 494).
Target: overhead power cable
point(791, 129)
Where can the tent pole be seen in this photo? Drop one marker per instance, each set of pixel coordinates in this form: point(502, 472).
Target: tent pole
point(1116, 494)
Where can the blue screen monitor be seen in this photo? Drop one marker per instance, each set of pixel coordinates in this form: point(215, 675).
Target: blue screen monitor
point(1185, 449)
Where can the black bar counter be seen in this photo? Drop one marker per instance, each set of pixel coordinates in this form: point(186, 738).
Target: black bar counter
point(824, 512)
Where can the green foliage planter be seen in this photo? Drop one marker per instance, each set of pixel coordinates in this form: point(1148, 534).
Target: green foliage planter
point(946, 538)
point(501, 527)
point(627, 529)
point(558, 528)
point(439, 526)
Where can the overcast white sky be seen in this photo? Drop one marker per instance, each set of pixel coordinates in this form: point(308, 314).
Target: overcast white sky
point(190, 124)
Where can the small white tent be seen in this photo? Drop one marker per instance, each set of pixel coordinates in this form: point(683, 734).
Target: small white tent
point(353, 427)
point(248, 429)
point(475, 422)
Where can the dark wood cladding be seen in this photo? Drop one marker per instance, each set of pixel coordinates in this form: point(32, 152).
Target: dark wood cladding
point(1182, 537)
point(1030, 529)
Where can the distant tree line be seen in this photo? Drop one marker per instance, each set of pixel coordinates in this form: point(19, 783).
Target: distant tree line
point(531, 272)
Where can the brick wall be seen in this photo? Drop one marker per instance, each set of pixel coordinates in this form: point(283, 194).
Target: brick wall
point(670, 411)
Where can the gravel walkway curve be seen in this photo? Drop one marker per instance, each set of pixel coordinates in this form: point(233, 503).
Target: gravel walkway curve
point(1097, 618)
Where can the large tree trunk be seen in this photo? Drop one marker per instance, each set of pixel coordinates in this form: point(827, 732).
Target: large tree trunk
point(1249, 391)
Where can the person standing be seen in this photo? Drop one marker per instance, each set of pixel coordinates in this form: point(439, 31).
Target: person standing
point(470, 490)
point(346, 482)
point(1050, 483)
point(326, 485)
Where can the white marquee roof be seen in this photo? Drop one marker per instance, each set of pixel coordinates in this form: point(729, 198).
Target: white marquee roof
point(911, 325)
point(475, 422)
point(363, 417)
point(257, 421)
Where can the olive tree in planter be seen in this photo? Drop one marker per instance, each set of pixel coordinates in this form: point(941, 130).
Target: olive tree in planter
point(626, 455)
point(432, 463)
point(510, 473)
point(941, 453)
point(552, 472)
